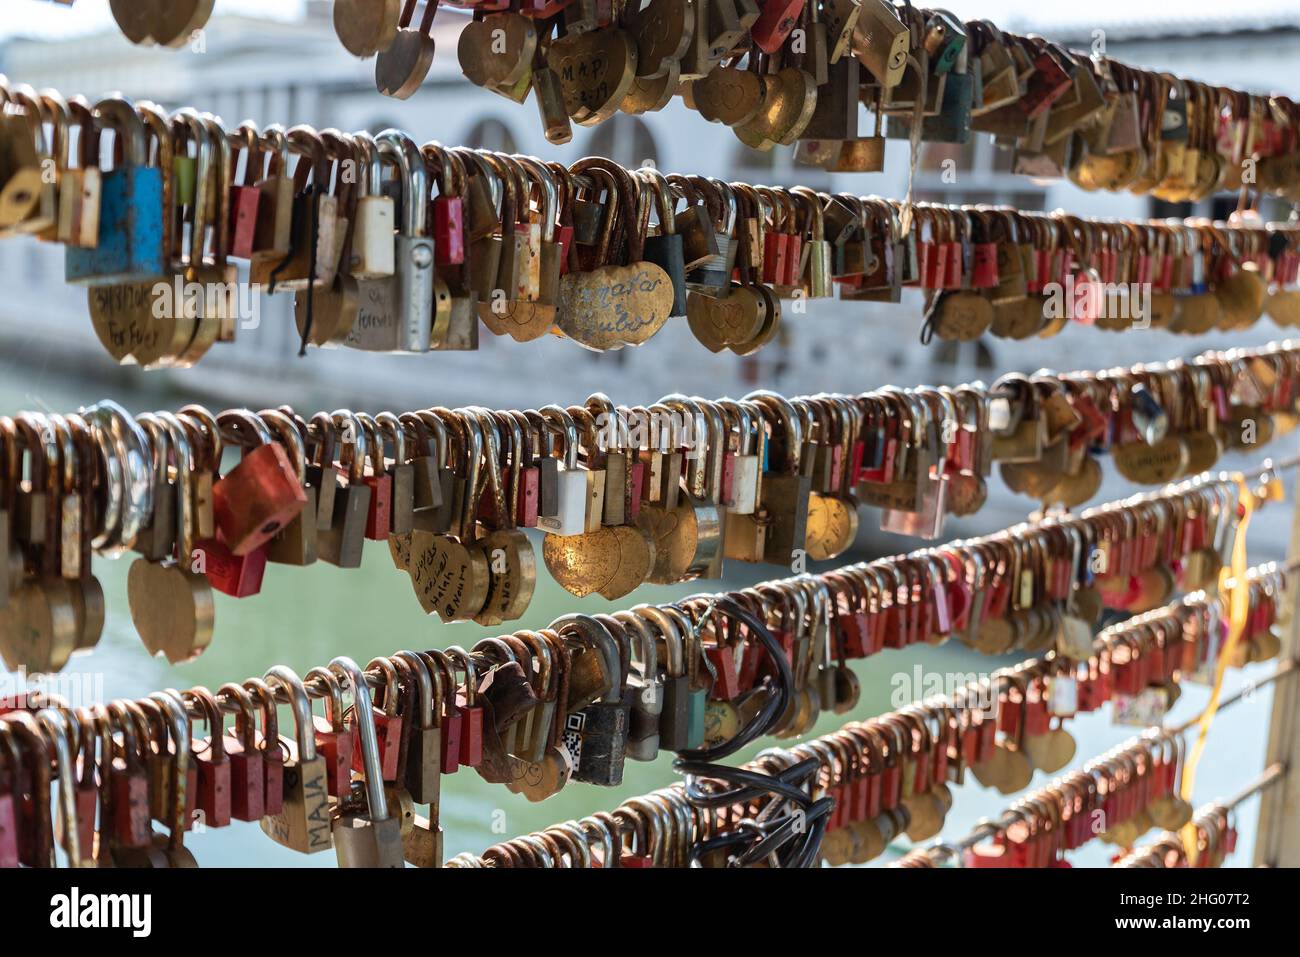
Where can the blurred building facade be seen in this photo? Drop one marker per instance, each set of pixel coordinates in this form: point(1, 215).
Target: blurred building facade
point(272, 71)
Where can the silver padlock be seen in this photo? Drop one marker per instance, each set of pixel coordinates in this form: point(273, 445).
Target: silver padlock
point(396, 314)
point(373, 839)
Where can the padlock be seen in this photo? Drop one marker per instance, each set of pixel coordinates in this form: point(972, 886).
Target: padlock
point(774, 24)
point(387, 724)
point(29, 199)
point(601, 728)
point(245, 196)
point(80, 186)
point(130, 245)
point(333, 738)
point(175, 783)
point(677, 723)
point(260, 495)
point(471, 715)
point(317, 227)
point(55, 726)
point(271, 747)
point(372, 838)
point(440, 668)
point(647, 690)
point(785, 490)
point(247, 771)
point(130, 781)
point(213, 788)
point(373, 245)
point(239, 576)
point(296, 542)
point(342, 542)
point(397, 312)
point(35, 831)
point(712, 275)
point(423, 763)
point(303, 822)
point(665, 249)
point(448, 207)
point(580, 491)
point(379, 481)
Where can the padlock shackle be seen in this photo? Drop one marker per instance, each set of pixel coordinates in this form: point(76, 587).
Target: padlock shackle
point(363, 716)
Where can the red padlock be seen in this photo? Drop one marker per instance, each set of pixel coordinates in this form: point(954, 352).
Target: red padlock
point(270, 746)
point(638, 487)
point(721, 655)
point(260, 495)
point(1011, 712)
point(471, 712)
point(934, 263)
point(247, 793)
point(1047, 84)
point(954, 265)
point(33, 832)
point(855, 634)
point(379, 481)
point(452, 720)
point(333, 737)
point(388, 725)
point(130, 825)
point(986, 856)
point(775, 23)
point(873, 751)
point(10, 767)
point(776, 247)
point(920, 613)
point(448, 208)
point(984, 267)
point(1036, 716)
point(895, 631)
point(212, 797)
point(239, 576)
point(728, 483)
point(246, 197)
point(529, 492)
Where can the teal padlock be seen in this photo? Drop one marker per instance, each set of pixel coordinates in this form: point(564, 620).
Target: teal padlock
point(952, 125)
point(697, 694)
point(130, 245)
point(945, 40)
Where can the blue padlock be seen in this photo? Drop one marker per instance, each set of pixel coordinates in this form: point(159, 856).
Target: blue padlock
point(131, 209)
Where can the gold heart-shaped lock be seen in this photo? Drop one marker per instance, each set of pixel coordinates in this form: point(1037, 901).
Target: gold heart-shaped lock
point(1052, 751)
point(613, 306)
point(450, 579)
point(596, 71)
point(172, 609)
point(1153, 464)
point(611, 561)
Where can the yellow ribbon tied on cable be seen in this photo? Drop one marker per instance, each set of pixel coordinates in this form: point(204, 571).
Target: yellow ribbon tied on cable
point(1234, 592)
